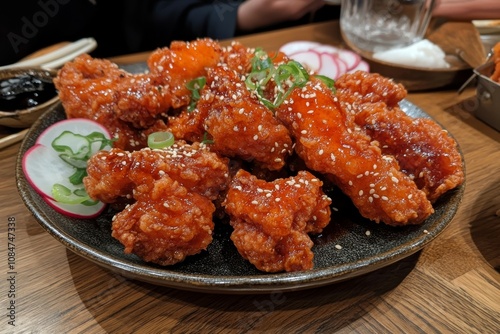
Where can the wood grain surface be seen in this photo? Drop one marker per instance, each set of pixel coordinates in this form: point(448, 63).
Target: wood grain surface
point(451, 286)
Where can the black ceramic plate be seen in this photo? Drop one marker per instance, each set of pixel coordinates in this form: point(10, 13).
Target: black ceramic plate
point(220, 268)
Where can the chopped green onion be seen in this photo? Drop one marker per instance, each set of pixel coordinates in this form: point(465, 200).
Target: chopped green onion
point(77, 177)
point(63, 194)
point(329, 82)
point(161, 139)
point(287, 77)
point(195, 86)
point(206, 139)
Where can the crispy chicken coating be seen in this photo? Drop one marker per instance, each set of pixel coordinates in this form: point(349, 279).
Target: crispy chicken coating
point(237, 124)
point(92, 88)
point(271, 220)
point(182, 62)
point(424, 151)
point(329, 142)
point(166, 224)
point(240, 126)
point(117, 173)
point(173, 190)
point(126, 103)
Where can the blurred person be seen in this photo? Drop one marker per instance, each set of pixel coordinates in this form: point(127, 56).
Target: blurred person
point(468, 9)
point(27, 26)
point(222, 19)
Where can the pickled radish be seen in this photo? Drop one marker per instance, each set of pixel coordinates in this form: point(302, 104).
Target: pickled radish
point(325, 59)
point(56, 165)
point(309, 59)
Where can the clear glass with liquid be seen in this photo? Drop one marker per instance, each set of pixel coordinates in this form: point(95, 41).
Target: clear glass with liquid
point(378, 25)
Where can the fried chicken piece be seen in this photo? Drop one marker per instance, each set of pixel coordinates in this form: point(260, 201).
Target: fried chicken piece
point(117, 173)
point(88, 89)
point(363, 87)
point(271, 220)
point(240, 126)
point(182, 62)
point(173, 189)
point(422, 148)
point(424, 151)
point(127, 103)
point(237, 124)
point(166, 224)
point(329, 142)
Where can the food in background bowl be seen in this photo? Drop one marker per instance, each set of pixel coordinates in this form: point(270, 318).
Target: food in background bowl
point(25, 94)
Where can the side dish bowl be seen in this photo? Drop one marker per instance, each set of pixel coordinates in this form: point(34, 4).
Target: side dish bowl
point(23, 109)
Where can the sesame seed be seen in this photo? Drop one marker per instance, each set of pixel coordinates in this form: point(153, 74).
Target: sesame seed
point(255, 202)
point(338, 247)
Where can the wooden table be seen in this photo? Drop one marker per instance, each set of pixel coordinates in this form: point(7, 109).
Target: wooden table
point(451, 286)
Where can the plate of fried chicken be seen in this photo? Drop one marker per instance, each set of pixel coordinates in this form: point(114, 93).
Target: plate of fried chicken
point(279, 178)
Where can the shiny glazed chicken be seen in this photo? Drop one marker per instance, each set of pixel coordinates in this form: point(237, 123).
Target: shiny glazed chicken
point(257, 136)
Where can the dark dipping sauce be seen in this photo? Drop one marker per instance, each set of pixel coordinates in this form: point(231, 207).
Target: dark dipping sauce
point(25, 91)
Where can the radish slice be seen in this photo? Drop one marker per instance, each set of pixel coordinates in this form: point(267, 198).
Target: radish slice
point(333, 61)
point(297, 46)
point(43, 168)
point(351, 58)
point(329, 66)
point(76, 210)
point(56, 164)
point(309, 59)
point(362, 66)
point(341, 65)
point(323, 48)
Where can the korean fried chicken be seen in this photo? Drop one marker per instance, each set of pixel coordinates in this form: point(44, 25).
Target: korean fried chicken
point(236, 123)
point(182, 62)
point(240, 126)
point(173, 189)
point(129, 103)
point(271, 220)
point(166, 224)
point(90, 88)
point(424, 151)
point(328, 141)
point(267, 126)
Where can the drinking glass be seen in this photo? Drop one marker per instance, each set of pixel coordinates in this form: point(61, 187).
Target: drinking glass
point(378, 25)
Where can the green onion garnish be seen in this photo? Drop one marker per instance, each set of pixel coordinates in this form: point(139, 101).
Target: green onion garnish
point(63, 194)
point(287, 77)
point(161, 139)
point(195, 86)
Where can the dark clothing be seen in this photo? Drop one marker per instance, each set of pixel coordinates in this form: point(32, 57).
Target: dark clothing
point(118, 27)
point(190, 19)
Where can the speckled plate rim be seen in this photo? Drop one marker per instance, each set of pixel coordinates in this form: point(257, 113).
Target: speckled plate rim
point(260, 283)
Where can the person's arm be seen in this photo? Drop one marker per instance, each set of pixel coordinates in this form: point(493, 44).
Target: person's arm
point(254, 14)
point(468, 9)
